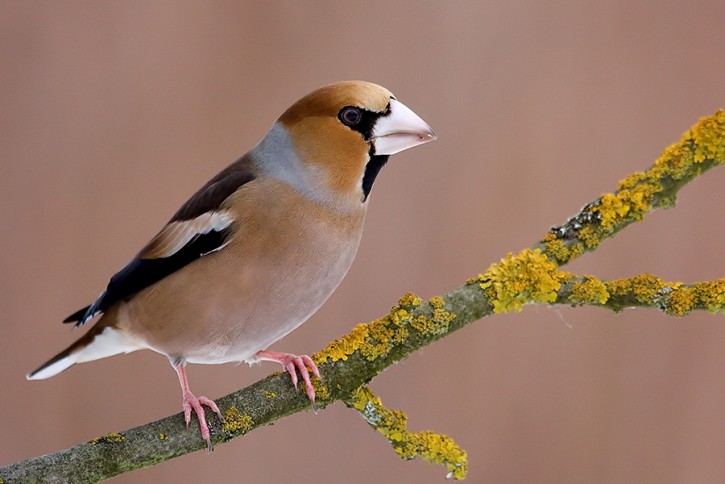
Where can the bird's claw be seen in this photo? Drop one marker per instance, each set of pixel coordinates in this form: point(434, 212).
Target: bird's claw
point(293, 363)
point(192, 402)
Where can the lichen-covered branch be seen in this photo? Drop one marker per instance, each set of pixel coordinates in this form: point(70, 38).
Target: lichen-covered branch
point(700, 149)
point(347, 364)
point(530, 277)
point(644, 290)
point(435, 448)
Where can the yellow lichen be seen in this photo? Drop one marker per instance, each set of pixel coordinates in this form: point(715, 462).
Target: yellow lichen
point(399, 316)
point(625, 205)
point(633, 180)
point(163, 436)
point(702, 142)
point(711, 294)
point(438, 323)
point(409, 301)
point(321, 391)
point(675, 161)
point(589, 291)
point(617, 287)
point(589, 237)
point(435, 448)
point(707, 136)
point(556, 247)
point(645, 287)
point(441, 316)
point(371, 339)
point(380, 339)
point(441, 449)
point(374, 339)
point(111, 438)
point(576, 250)
point(611, 208)
point(269, 395)
point(423, 325)
point(672, 298)
point(528, 277)
point(342, 348)
point(236, 422)
point(679, 301)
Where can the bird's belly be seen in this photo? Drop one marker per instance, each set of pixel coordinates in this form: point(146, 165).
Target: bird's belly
point(263, 298)
point(249, 326)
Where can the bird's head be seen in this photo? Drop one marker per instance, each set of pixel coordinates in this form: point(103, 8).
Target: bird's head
point(331, 144)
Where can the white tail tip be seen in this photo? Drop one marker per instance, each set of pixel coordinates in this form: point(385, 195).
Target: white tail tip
point(52, 369)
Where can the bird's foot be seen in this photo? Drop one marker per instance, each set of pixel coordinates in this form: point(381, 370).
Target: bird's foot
point(192, 402)
point(291, 363)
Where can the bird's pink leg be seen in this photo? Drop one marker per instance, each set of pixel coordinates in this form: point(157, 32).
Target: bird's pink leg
point(291, 363)
point(190, 401)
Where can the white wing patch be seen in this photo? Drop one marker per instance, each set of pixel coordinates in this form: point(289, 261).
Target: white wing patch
point(177, 234)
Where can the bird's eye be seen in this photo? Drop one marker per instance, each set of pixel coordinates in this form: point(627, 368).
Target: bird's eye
point(350, 116)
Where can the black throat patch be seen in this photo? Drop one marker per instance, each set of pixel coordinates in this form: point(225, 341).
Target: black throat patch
point(375, 164)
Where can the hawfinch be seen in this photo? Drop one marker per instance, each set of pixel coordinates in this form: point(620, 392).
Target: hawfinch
point(258, 249)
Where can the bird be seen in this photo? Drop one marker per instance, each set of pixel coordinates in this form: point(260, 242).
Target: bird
point(256, 250)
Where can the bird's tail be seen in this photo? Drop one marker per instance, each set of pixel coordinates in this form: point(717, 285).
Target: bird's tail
point(99, 342)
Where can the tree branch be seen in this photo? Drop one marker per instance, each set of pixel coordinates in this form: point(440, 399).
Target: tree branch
point(435, 448)
point(700, 149)
point(646, 291)
point(348, 364)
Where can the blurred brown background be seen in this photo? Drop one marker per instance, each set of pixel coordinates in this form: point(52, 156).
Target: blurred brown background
point(113, 113)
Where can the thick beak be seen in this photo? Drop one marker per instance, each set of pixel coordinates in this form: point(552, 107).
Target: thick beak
point(399, 130)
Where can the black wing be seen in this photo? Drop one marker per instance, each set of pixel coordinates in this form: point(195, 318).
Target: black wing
point(199, 227)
